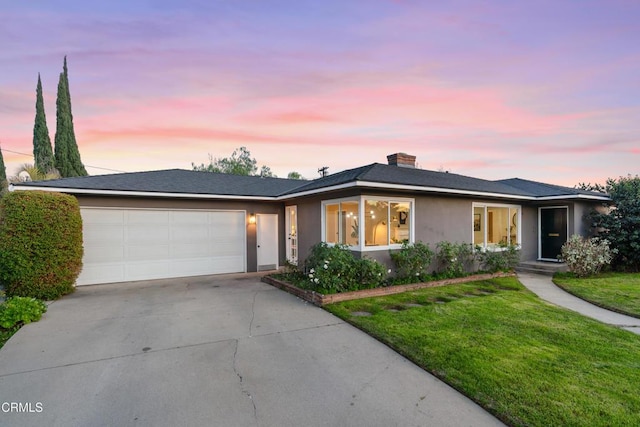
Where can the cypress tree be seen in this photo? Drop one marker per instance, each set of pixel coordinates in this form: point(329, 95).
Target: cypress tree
point(62, 132)
point(3, 177)
point(3, 171)
point(42, 152)
point(74, 151)
point(67, 155)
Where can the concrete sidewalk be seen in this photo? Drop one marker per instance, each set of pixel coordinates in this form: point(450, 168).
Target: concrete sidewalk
point(216, 351)
point(544, 287)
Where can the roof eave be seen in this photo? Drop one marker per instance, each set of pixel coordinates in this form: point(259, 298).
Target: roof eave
point(404, 187)
point(83, 191)
point(352, 184)
point(576, 196)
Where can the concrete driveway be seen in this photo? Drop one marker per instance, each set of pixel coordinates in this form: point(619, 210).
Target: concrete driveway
point(212, 351)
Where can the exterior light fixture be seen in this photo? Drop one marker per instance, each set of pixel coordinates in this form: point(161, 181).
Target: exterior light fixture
point(252, 218)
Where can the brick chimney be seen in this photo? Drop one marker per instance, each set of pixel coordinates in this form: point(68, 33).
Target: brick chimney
point(402, 160)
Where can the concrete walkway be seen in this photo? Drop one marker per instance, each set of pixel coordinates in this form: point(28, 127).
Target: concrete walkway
point(544, 287)
point(216, 351)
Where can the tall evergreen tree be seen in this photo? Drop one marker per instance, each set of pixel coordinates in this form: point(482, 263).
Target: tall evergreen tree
point(67, 156)
point(42, 151)
point(62, 132)
point(3, 170)
point(3, 176)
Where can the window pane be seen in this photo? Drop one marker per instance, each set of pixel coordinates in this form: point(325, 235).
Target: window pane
point(514, 226)
point(331, 226)
point(498, 226)
point(376, 227)
point(350, 223)
point(400, 218)
point(478, 225)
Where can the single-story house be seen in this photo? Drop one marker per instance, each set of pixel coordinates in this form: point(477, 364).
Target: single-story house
point(178, 223)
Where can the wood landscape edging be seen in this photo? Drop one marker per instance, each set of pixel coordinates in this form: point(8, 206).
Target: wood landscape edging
point(321, 300)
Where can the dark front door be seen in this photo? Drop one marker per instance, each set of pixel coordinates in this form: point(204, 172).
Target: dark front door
point(553, 232)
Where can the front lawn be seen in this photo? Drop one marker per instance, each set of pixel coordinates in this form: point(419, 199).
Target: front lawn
point(526, 361)
point(616, 291)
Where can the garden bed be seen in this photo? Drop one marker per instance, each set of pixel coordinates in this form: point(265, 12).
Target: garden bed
point(322, 300)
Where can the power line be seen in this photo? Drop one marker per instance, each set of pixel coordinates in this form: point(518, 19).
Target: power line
point(87, 166)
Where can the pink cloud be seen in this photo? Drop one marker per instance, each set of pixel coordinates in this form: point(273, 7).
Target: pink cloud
point(163, 135)
point(414, 108)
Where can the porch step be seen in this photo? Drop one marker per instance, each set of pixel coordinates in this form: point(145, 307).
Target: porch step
point(540, 267)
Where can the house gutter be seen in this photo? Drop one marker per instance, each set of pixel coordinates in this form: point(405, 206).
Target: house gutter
point(13, 187)
point(422, 189)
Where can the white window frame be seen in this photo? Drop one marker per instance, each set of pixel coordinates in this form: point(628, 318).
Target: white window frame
point(361, 247)
point(484, 246)
point(340, 231)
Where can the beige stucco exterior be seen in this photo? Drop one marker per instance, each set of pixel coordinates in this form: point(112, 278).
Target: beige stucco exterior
point(436, 218)
point(440, 218)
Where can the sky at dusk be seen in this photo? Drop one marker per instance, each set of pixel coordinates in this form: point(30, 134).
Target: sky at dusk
point(542, 90)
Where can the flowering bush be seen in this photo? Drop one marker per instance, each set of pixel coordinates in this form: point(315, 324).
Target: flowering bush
point(586, 257)
point(455, 259)
point(332, 269)
point(370, 274)
point(412, 261)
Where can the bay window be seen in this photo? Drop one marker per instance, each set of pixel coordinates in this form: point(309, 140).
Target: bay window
point(368, 222)
point(341, 223)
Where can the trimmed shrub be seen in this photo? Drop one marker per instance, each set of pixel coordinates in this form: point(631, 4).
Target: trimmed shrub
point(40, 244)
point(504, 260)
point(332, 269)
point(370, 274)
point(412, 261)
point(455, 259)
point(20, 311)
point(586, 257)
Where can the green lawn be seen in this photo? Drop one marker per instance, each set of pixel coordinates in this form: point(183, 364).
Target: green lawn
point(615, 291)
point(526, 361)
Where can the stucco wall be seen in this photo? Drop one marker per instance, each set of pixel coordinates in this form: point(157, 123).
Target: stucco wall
point(529, 233)
point(437, 218)
point(581, 212)
point(255, 207)
point(449, 219)
point(440, 219)
point(309, 218)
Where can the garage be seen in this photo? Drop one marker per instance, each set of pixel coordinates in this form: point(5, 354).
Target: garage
point(140, 244)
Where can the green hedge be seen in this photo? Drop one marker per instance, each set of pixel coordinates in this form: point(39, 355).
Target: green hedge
point(40, 244)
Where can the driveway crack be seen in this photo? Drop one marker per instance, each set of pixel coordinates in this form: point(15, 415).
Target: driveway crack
point(241, 380)
point(253, 314)
point(367, 384)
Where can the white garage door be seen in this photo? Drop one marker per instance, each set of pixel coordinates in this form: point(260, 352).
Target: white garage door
point(140, 244)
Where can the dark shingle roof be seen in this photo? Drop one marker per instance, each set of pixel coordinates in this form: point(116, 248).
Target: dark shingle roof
point(540, 189)
point(387, 174)
point(177, 181)
point(184, 182)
